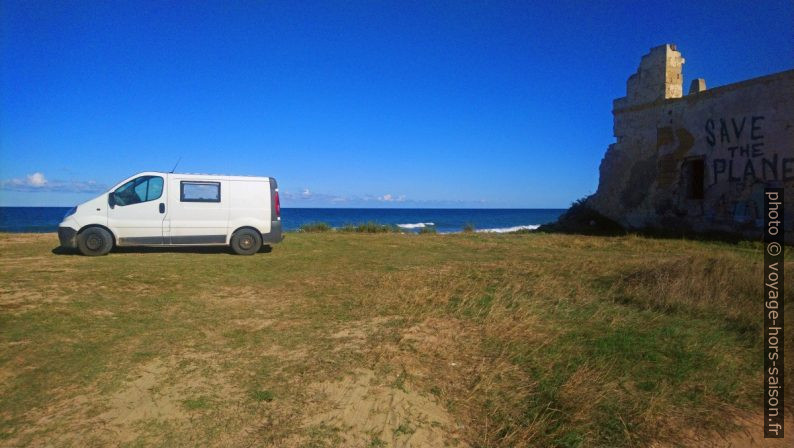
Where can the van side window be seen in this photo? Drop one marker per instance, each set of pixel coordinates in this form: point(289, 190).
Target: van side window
point(140, 189)
point(199, 191)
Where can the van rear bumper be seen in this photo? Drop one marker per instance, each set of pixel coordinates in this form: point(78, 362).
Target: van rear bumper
point(67, 237)
point(274, 236)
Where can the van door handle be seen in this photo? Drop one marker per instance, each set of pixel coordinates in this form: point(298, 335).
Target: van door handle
point(162, 208)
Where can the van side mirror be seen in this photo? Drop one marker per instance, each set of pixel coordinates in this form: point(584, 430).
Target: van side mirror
point(112, 199)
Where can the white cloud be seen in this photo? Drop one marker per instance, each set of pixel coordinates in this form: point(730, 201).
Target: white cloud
point(36, 179)
point(304, 197)
point(38, 182)
point(391, 198)
point(308, 196)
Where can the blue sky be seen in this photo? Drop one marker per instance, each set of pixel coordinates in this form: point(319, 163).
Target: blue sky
point(350, 103)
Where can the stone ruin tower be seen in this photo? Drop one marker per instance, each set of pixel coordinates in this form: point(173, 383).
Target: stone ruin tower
point(659, 77)
point(697, 162)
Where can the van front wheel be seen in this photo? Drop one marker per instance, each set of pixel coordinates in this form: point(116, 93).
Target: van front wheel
point(246, 242)
point(94, 241)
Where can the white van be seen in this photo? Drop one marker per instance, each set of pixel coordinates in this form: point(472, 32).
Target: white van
point(168, 209)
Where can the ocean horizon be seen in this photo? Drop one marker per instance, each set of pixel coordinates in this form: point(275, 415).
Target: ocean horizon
point(444, 220)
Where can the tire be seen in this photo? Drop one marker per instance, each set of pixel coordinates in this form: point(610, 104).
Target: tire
point(94, 241)
point(246, 242)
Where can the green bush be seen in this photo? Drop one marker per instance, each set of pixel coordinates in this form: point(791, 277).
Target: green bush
point(468, 228)
point(310, 227)
point(374, 227)
point(262, 395)
point(428, 229)
point(347, 228)
point(369, 227)
point(582, 219)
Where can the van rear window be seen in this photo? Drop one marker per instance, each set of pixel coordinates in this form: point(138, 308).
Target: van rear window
point(199, 191)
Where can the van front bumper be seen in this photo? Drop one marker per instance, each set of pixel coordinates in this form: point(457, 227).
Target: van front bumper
point(67, 237)
point(275, 235)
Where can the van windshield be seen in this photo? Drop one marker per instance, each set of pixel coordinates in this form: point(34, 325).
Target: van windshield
point(140, 189)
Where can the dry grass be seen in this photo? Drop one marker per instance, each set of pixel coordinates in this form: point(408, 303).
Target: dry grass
point(358, 339)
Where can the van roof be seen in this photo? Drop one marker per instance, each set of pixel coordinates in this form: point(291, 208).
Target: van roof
point(214, 176)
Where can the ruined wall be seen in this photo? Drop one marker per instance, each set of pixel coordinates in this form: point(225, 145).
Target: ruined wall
point(701, 161)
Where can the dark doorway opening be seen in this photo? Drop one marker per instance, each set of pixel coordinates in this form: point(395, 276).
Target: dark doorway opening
point(695, 175)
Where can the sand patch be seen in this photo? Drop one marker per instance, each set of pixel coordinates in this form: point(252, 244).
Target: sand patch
point(365, 411)
point(355, 334)
point(446, 356)
point(252, 323)
point(389, 408)
point(749, 435)
point(143, 398)
point(157, 392)
point(160, 391)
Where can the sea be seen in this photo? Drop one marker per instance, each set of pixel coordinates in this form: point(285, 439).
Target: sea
point(444, 220)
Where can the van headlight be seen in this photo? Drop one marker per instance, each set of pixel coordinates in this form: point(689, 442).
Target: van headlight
point(71, 212)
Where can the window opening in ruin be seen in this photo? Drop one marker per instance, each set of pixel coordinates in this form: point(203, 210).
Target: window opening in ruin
point(695, 171)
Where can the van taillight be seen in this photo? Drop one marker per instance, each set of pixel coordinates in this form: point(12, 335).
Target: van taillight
point(278, 205)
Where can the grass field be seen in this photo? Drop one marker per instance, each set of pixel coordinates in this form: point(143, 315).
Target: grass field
point(375, 340)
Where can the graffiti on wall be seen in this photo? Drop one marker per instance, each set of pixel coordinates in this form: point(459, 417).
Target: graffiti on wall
point(740, 141)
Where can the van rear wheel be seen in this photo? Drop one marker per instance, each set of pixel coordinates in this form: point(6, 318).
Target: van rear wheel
point(246, 242)
point(94, 241)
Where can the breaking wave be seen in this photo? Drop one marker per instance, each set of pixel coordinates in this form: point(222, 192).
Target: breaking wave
point(418, 225)
point(509, 229)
